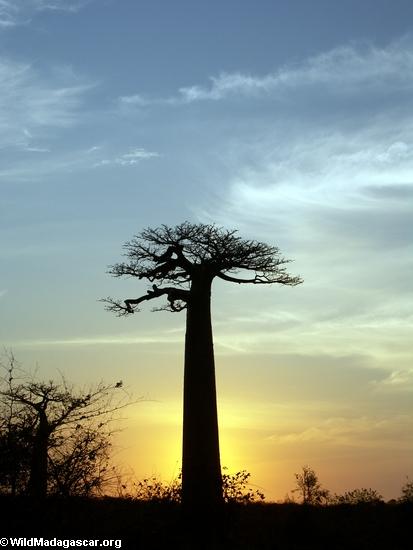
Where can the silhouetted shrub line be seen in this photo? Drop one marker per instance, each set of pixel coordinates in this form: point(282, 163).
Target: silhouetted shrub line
point(236, 489)
point(158, 525)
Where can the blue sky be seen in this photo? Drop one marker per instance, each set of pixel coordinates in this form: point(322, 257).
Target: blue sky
point(291, 121)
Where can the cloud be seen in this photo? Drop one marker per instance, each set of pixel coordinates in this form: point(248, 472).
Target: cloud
point(345, 176)
point(93, 148)
point(3, 292)
point(132, 157)
point(390, 192)
point(102, 340)
point(361, 431)
point(36, 162)
point(32, 103)
point(71, 6)
point(18, 12)
point(343, 71)
point(135, 100)
point(341, 171)
point(346, 223)
point(396, 381)
point(8, 13)
point(332, 187)
point(340, 194)
point(37, 150)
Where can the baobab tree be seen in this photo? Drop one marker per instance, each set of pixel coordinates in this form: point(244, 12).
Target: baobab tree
point(181, 263)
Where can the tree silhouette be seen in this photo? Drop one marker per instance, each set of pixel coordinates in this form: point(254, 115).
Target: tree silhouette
point(182, 262)
point(309, 488)
point(407, 491)
point(40, 416)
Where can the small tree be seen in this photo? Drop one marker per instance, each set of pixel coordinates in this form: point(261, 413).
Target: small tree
point(182, 262)
point(407, 491)
point(42, 418)
point(309, 488)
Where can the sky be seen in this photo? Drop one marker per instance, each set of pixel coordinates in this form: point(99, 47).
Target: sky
point(291, 121)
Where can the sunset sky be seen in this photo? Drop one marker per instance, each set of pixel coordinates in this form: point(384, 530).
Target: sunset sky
point(289, 120)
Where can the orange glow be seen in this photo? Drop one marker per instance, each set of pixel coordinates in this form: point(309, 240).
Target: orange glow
point(151, 446)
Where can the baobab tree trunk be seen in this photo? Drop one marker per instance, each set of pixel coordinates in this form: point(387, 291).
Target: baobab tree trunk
point(38, 470)
point(201, 468)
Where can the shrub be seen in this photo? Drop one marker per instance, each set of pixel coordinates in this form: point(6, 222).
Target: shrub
point(154, 490)
point(236, 488)
point(358, 496)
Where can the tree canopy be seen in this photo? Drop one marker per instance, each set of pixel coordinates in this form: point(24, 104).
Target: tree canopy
point(172, 255)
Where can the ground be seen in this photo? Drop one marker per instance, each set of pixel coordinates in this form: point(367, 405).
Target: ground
point(151, 526)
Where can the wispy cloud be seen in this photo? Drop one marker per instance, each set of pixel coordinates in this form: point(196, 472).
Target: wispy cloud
point(8, 13)
point(136, 100)
point(341, 71)
point(37, 150)
point(332, 187)
point(31, 102)
point(359, 431)
point(71, 6)
point(340, 206)
point(396, 381)
point(18, 12)
point(36, 162)
point(3, 292)
point(102, 340)
point(93, 149)
point(132, 157)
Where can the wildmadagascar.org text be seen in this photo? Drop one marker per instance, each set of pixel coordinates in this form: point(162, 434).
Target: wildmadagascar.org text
point(61, 543)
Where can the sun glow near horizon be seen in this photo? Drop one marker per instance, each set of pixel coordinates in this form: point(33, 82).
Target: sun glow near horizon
point(274, 414)
point(272, 443)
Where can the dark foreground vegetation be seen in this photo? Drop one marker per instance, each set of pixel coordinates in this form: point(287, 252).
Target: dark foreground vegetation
point(159, 525)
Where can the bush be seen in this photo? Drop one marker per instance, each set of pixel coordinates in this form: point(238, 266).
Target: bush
point(236, 488)
point(154, 490)
point(358, 496)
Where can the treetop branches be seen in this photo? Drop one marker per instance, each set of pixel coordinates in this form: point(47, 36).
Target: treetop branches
point(182, 254)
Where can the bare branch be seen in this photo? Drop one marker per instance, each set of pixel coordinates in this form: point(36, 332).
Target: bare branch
point(175, 296)
point(180, 254)
point(282, 279)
